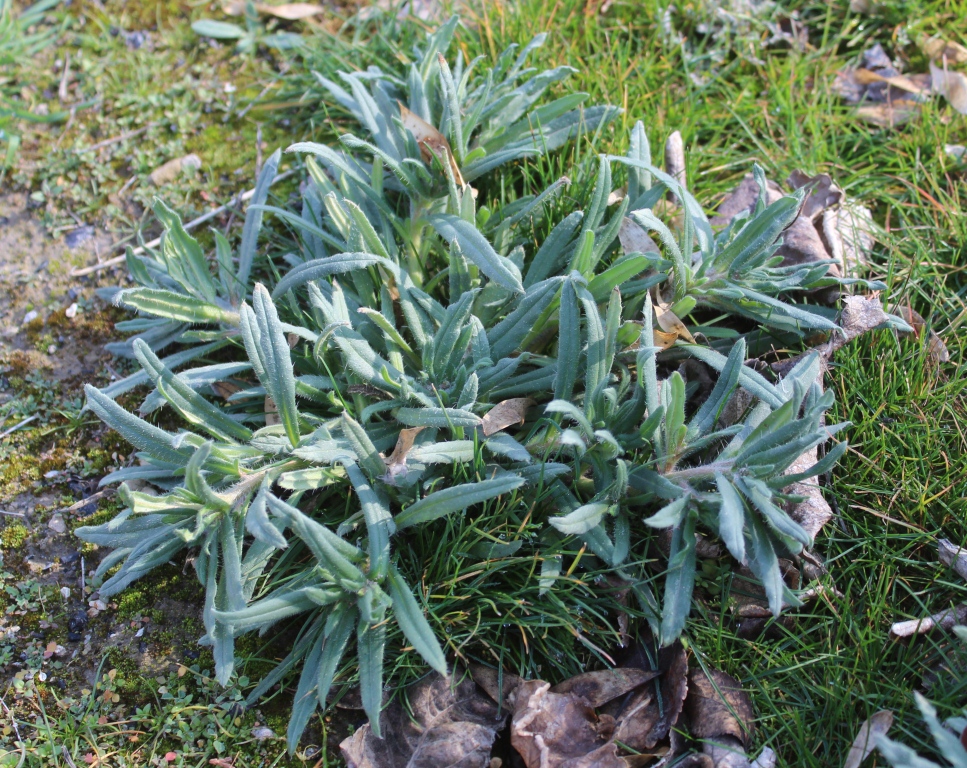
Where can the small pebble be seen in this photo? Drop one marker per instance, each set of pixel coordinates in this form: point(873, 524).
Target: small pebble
point(262, 733)
point(57, 524)
point(65, 592)
point(79, 236)
point(77, 623)
point(71, 311)
point(51, 349)
point(73, 637)
point(31, 316)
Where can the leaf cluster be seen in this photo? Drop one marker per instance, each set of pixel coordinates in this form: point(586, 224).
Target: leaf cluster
point(352, 419)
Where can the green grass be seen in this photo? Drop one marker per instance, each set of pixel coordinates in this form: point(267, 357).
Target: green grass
point(903, 483)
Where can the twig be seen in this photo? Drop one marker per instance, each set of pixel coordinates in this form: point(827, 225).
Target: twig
point(12, 514)
point(89, 500)
point(64, 78)
point(945, 620)
point(83, 584)
point(954, 556)
point(115, 140)
point(23, 423)
point(16, 730)
point(67, 757)
point(190, 225)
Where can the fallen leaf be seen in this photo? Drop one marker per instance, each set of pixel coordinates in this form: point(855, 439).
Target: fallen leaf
point(938, 49)
point(920, 87)
point(743, 198)
point(505, 414)
point(430, 140)
point(823, 192)
point(647, 716)
point(664, 340)
point(889, 115)
point(164, 174)
point(396, 461)
point(801, 244)
point(552, 730)
point(954, 556)
point(290, 11)
point(675, 160)
point(944, 620)
point(444, 723)
point(669, 322)
point(951, 85)
point(848, 229)
point(225, 389)
point(634, 238)
point(936, 349)
point(272, 417)
point(598, 688)
point(287, 11)
point(865, 740)
point(766, 759)
point(720, 714)
point(498, 686)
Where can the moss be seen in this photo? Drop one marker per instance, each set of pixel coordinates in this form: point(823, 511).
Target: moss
point(13, 536)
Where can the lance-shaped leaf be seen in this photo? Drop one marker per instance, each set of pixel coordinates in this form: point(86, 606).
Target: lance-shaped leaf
point(142, 435)
point(371, 647)
point(175, 306)
point(253, 224)
point(331, 265)
point(437, 417)
point(582, 519)
point(409, 615)
point(456, 499)
point(268, 349)
point(369, 458)
point(379, 521)
point(183, 256)
point(334, 553)
point(506, 337)
point(475, 247)
point(257, 520)
point(189, 404)
point(568, 343)
point(679, 580)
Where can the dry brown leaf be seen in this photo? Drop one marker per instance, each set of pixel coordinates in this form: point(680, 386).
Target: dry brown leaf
point(287, 11)
point(445, 723)
point(669, 322)
point(225, 389)
point(598, 688)
point(290, 11)
point(954, 556)
point(917, 87)
point(496, 685)
point(944, 620)
point(634, 238)
point(938, 49)
point(936, 349)
point(664, 340)
point(865, 740)
point(272, 417)
point(719, 714)
point(743, 198)
point(717, 706)
point(505, 414)
point(888, 115)
point(643, 719)
point(430, 140)
point(951, 85)
point(823, 193)
point(403, 445)
point(165, 174)
point(675, 158)
point(848, 230)
point(552, 730)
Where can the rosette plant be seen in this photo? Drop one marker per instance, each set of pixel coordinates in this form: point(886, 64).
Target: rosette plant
point(363, 407)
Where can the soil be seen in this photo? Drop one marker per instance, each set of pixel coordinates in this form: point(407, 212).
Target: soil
point(52, 332)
